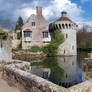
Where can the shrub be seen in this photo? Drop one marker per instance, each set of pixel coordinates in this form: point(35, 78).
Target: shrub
point(35, 49)
point(51, 49)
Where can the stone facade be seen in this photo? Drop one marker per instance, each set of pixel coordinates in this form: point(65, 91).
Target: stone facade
point(15, 43)
point(34, 29)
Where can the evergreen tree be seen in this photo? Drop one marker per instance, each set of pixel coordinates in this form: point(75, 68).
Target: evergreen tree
point(19, 23)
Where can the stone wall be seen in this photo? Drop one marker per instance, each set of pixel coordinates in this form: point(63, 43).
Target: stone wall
point(15, 43)
point(87, 68)
point(30, 82)
point(5, 49)
point(68, 47)
point(19, 73)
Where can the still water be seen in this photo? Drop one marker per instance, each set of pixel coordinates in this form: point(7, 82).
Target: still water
point(64, 71)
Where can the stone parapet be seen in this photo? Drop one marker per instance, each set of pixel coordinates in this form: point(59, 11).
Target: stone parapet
point(30, 82)
point(19, 73)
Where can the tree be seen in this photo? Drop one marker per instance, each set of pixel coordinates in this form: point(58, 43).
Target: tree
point(19, 23)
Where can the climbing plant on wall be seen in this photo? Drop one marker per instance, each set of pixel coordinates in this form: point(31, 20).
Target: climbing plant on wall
point(57, 39)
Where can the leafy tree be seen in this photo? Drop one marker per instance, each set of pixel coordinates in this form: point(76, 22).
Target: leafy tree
point(19, 23)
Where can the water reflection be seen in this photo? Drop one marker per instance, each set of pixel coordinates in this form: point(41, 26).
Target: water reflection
point(64, 71)
point(72, 71)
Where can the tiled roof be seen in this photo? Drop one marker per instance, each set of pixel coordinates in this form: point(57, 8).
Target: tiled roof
point(63, 18)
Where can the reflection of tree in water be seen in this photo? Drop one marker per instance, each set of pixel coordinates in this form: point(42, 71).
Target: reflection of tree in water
point(56, 72)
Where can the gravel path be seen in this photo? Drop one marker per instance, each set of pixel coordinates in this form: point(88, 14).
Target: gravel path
point(4, 87)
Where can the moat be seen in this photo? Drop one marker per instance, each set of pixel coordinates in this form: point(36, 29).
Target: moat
point(64, 71)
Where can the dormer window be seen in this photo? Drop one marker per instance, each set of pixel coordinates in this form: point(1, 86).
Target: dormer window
point(33, 23)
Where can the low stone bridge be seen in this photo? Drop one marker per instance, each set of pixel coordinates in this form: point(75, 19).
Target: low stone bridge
point(18, 72)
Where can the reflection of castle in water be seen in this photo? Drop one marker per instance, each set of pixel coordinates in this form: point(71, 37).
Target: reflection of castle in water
point(72, 71)
point(40, 71)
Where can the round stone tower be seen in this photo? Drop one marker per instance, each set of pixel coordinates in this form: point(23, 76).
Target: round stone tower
point(68, 28)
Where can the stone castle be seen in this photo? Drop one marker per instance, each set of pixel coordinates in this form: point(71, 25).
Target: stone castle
point(35, 32)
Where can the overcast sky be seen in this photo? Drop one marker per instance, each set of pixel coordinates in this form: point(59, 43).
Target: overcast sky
point(78, 10)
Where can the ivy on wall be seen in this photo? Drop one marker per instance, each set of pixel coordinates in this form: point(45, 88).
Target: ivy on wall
point(57, 39)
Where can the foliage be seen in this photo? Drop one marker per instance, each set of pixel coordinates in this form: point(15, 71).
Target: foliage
point(58, 38)
point(84, 49)
point(50, 50)
point(3, 34)
point(35, 49)
point(19, 23)
point(18, 35)
point(84, 38)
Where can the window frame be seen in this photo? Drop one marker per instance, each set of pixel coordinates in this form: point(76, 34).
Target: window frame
point(45, 34)
point(27, 34)
point(33, 23)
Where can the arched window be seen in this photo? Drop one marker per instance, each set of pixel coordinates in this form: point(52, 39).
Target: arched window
point(66, 35)
point(66, 26)
point(70, 26)
point(56, 26)
point(59, 26)
point(63, 26)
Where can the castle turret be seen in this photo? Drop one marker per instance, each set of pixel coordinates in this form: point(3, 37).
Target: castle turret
point(68, 28)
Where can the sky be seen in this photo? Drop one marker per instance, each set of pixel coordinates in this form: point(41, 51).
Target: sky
point(78, 11)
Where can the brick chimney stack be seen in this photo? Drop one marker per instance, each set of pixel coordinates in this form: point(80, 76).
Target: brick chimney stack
point(39, 11)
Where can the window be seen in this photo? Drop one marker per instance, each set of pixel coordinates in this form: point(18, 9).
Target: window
point(66, 76)
point(66, 26)
point(63, 26)
point(59, 26)
point(66, 35)
point(69, 25)
point(64, 51)
point(56, 26)
point(45, 34)
point(33, 23)
point(27, 34)
point(45, 75)
point(72, 47)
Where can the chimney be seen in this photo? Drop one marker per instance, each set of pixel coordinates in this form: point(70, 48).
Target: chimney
point(39, 11)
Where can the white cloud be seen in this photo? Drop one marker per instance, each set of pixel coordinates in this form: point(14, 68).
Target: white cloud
point(53, 10)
